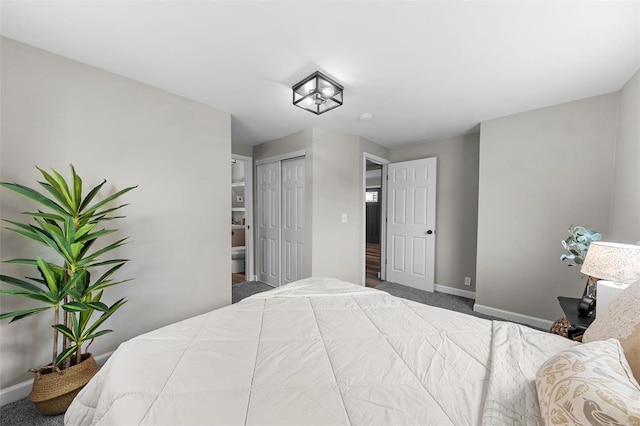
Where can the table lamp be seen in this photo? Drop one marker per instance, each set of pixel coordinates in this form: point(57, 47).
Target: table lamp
point(615, 265)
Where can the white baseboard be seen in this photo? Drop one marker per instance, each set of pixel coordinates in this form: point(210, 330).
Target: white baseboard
point(22, 390)
point(455, 291)
point(513, 316)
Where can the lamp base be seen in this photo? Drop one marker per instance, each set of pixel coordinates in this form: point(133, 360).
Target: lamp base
point(591, 288)
point(586, 306)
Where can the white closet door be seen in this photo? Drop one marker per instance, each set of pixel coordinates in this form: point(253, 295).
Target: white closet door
point(411, 220)
point(269, 223)
point(292, 219)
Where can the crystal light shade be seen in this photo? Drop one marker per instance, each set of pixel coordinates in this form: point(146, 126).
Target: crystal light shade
point(615, 262)
point(317, 93)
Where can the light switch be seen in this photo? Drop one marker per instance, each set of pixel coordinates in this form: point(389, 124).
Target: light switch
point(344, 218)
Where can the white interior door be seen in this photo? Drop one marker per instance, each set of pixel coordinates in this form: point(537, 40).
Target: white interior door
point(411, 219)
point(292, 219)
point(269, 223)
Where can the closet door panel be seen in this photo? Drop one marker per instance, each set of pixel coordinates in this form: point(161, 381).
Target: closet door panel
point(293, 219)
point(268, 177)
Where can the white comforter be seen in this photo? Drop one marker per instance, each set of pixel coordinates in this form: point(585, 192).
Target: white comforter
point(321, 352)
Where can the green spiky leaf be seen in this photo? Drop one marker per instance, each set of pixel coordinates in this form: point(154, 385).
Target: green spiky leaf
point(66, 354)
point(35, 196)
point(18, 315)
point(64, 330)
point(75, 307)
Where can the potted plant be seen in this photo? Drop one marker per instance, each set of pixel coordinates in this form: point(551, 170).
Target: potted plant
point(67, 225)
point(577, 245)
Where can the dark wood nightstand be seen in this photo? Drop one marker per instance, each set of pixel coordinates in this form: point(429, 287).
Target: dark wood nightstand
point(579, 324)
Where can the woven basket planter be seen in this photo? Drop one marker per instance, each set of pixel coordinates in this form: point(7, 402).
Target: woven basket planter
point(53, 391)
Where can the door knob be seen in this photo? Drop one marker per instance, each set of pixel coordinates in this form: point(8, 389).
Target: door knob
point(429, 232)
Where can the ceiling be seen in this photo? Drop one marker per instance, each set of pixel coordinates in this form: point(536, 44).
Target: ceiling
point(426, 70)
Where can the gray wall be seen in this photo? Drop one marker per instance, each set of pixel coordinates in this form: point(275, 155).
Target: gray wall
point(457, 205)
point(540, 172)
point(374, 178)
point(338, 188)
point(334, 185)
point(298, 141)
point(371, 147)
point(242, 149)
point(55, 112)
point(338, 181)
point(625, 211)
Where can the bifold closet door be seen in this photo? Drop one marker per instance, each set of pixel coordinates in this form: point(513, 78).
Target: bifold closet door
point(280, 221)
point(269, 223)
point(292, 219)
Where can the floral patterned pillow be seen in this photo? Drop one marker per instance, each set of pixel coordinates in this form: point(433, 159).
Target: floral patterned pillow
point(589, 384)
point(621, 320)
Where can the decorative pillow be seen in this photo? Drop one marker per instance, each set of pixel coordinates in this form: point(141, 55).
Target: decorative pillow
point(621, 320)
point(589, 384)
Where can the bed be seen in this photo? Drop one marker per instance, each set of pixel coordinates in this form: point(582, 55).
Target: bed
point(321, 351)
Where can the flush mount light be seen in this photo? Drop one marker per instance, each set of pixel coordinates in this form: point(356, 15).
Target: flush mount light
point(317, 93)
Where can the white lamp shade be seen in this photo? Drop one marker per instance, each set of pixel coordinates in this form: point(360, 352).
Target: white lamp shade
point(615, 262)
point(607, 291)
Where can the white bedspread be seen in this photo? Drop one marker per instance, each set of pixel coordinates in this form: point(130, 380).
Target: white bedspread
point(516, 354)
point(316, 352)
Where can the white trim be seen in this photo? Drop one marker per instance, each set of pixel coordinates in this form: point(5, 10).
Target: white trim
point(22, 390)
point(383, 219)
point(15, 392)
point(455, 291)
point(376, 159)
point(513, 316)
point(287, 156)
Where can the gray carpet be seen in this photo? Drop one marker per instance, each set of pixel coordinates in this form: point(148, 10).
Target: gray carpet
point(23, 412)
point(440, 300)
point(246, 289)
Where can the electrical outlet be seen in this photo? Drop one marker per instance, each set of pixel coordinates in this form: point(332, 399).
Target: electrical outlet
point(467, 281)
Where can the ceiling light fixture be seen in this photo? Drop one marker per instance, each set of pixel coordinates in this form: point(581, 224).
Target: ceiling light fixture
point(317, 93)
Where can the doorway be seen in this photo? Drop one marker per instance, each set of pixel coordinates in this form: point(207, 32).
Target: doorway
point(374, 219)
point(373, 223)
point(241, 219)
point(407, 198)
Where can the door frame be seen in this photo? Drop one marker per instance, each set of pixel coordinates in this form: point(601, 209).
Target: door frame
point(383, 215)
point(248, 215)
